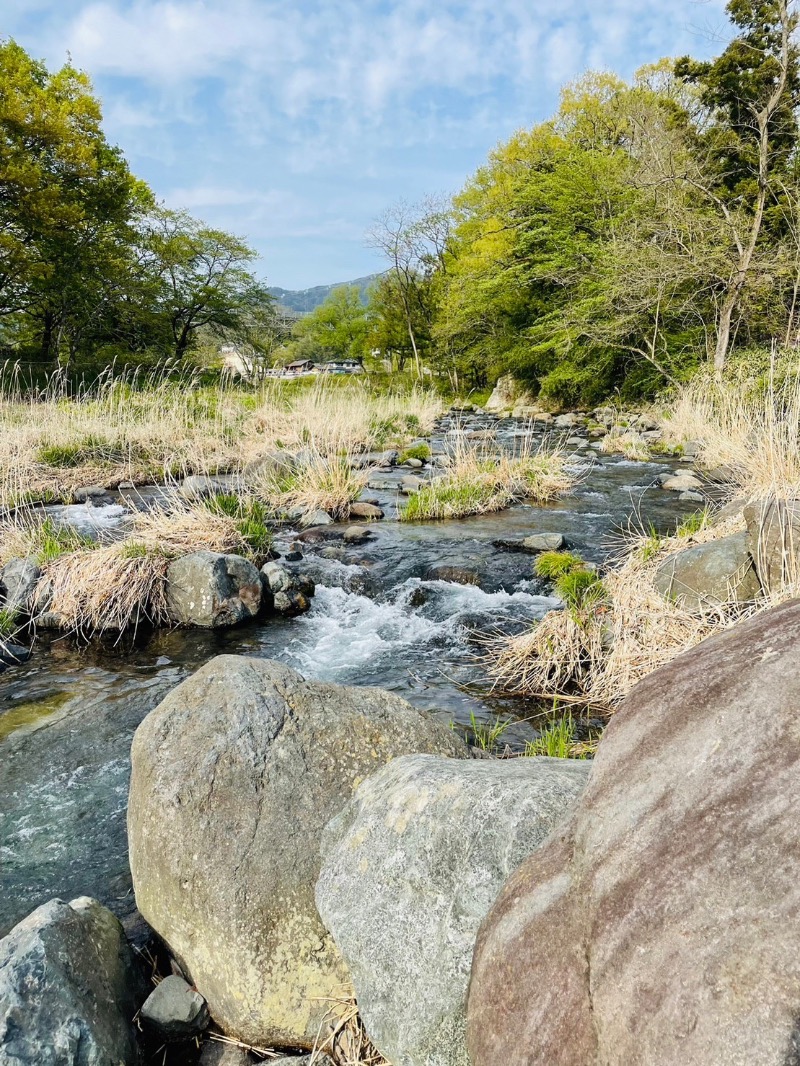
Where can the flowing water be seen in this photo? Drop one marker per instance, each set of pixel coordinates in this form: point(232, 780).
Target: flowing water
point(381, 616)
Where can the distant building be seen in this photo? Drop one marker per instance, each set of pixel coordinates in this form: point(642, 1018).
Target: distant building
point(300, 366)
point(342, 366)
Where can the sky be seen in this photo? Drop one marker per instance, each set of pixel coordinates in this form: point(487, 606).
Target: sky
point(295, 123)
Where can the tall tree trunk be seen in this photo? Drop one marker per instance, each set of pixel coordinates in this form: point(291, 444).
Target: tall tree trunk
point(747, 248)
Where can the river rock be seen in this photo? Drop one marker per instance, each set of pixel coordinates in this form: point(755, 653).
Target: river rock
point(89, 492)
point(773, 536)
point(365, 510)
point(270, 465)
point(410, 868)
point(68, 989)
point(356, 535)
point(291, 603)
point(197, 486)
point(659, 927)
point(456, 575)
point(276, 577)
point(217, 1053)
point(681, 482)
point(543, 542)
point(317, 517)
point(212, 590)
point(18, 581)
point(175, 1010)
point(235, 775)
point(720, 571)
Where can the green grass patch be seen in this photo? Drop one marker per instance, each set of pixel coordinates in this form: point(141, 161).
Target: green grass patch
point(551, 565)
point(8, 622)
point(693, 523)
point(559, 740)
point(251, 518)
point(416, 451)
point(487, 735)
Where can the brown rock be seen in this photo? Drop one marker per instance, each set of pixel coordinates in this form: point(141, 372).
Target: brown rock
point(365, 510)
point(660, 927)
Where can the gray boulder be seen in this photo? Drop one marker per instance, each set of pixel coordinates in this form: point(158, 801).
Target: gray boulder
point(213, 590)
point(197, 486)
point(658, 927)
point(318, 517)
point(276, 577)
point(773, 537)
point(543, 542)
point(68, 989)
point(720, 571)
point(235, 775)
point(175, 1010)
point(356, 535)
point(411, 867)
point(18, 581)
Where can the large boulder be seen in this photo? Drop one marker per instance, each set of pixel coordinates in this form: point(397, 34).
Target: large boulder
point(212, 590)
point(68, 989)
point(235, 775)
point(659, 927)
point(773, 531)
point(410, 868)
point(507, 394)
point(719, 571)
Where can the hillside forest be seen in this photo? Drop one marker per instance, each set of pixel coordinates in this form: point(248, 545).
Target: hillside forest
point(649, 228)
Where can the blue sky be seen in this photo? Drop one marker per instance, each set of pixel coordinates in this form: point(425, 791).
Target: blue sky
point(294, 123)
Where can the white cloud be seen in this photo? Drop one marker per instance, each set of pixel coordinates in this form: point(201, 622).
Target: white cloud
point(294, 122)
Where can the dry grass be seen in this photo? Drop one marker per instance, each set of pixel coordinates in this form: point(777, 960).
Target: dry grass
point(336, 421)
point(159, 428)
point(478, 482)
point(91, 587)
point(602, 653)
point(628, 443)
point(318, 481)
point(346, 1041)
point(752, 433)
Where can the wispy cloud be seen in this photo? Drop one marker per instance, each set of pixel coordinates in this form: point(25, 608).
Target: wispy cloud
point(335, 106)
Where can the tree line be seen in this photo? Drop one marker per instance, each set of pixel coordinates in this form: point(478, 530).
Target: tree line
point(648, 228)
point(92, 267)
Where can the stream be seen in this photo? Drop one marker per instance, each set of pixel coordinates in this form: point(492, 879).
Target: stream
point(379, 617)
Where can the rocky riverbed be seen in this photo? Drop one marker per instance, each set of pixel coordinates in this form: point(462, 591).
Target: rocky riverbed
point(400, 610)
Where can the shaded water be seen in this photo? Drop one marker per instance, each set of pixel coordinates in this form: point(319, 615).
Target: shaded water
point(67, 717)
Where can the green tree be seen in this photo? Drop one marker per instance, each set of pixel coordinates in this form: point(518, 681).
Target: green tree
point(204, 279)
point(338, 327)
point(69, 204)
point(751, 92)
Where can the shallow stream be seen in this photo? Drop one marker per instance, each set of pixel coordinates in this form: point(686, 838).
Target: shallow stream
point(379, 618)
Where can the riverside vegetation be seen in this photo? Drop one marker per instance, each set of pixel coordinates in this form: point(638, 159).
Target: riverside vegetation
point(385, 886)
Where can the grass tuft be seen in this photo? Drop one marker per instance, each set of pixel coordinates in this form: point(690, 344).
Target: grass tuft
point(478, 483)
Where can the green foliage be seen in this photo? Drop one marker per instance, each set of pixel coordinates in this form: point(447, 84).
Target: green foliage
point(694, 523)
point(558, 740)
point(552, 565)
point(487, 735)
point(251, 515)
point(91, 270)
point(338, 328)
point(416, 451)
point(48, 541)
point(581, 590)
point(650, 546)
point(9, 622)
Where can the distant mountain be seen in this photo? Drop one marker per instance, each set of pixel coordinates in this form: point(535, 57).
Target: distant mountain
point(301, 301)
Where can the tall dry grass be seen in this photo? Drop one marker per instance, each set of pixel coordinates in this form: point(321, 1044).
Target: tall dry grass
point(748, 432)
point(600, 654)
point(160, 428)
